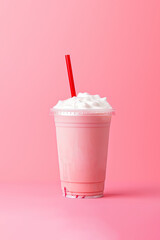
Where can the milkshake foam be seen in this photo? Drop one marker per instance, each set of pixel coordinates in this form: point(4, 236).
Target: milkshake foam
point(84, 101)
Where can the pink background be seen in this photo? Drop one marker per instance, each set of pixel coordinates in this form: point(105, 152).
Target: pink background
point(115, 52)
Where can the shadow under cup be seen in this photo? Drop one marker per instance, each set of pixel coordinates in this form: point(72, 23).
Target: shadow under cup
point(82, 141)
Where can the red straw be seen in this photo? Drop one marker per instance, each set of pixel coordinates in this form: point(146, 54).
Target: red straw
point(70, 75)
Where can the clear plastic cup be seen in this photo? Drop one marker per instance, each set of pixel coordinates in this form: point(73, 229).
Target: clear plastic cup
point(82, 141)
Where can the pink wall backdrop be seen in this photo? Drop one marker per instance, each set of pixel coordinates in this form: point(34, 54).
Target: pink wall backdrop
point(115, 52)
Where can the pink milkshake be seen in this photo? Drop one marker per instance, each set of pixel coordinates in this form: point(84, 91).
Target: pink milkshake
point(82, 129)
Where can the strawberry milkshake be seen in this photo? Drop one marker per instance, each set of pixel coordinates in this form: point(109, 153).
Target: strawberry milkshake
point(82, 128)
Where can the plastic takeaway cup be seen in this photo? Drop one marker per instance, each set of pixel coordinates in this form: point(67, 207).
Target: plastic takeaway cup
point(82, 141)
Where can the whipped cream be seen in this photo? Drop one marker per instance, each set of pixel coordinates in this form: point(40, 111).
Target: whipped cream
point(84, 101)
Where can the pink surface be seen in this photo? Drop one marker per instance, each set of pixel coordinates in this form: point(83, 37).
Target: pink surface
point(115, 52)
point(40, 212)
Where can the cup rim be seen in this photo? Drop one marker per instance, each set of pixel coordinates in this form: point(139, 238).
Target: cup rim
point(81, 112)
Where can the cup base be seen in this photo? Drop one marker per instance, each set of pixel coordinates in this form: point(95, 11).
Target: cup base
point(82, 196)
point(82, 189)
